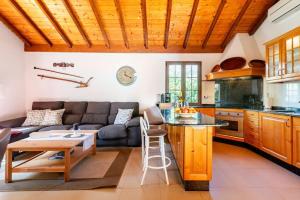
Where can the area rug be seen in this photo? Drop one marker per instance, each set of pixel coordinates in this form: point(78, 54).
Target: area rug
point(102, 170)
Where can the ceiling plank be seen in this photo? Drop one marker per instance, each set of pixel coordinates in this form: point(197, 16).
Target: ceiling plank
point(77, 22)
point(190, 24)
point(53, 21)
point(167, 25)
point(261, 19)
point(30, 21)
point(100, 23)
point(122, 24)
point(11, 27)
point(123, 49)
point(236, 22)
point(214, 22)
point(145, 22)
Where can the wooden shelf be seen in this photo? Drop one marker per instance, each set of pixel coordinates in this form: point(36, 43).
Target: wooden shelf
point(244, 72)
point(41, 163)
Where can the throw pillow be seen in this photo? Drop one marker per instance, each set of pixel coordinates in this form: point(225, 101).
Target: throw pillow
point(53, 117)
point(34, 117)
point(123, 116)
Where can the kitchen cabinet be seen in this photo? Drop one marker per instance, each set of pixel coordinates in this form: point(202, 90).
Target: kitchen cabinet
point(283, 57)
point(251, 128)
point(296, 142)
point(206, 111)
point(276, 135)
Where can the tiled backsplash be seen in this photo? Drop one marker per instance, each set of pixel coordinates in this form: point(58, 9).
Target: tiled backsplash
point(283, 94)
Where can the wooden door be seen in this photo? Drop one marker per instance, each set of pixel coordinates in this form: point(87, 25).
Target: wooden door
point(198, 153)
point(276, 136)
point(296, 142)
point(251, 128)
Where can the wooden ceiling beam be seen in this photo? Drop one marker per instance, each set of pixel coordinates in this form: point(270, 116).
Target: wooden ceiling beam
point(123, 49)
point(190, 24)
point(145, 22)
point(236, 22)
point(77, 22)
point(167, 24)
point(53, 21)
point(214, 22)
point(100, 23)
point(261, 19)
point(11, 27)
point(30, 21)
point(122, 24)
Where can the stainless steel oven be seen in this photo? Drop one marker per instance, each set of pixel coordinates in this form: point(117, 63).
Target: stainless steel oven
point(235, 120)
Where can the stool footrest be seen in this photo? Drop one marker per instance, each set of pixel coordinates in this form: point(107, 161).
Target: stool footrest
point(159, 167)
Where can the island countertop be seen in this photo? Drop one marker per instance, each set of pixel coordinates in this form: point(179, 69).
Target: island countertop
point(199, 119)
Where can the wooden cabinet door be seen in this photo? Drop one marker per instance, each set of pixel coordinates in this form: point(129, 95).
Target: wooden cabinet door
point(275, 136)
point(251, 128)
point(296, 142)
point(198, 153)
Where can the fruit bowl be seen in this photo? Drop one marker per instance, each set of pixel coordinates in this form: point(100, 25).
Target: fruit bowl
point(186, 115)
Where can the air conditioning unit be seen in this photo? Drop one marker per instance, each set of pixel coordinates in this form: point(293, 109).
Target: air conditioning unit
point(283, 9)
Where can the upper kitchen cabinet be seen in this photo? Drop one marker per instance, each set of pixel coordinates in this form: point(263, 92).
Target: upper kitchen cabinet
point(283, 57)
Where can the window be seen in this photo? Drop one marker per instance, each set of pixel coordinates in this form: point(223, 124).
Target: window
point(184, 78)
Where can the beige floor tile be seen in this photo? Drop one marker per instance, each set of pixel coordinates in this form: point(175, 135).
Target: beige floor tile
point(290, 193)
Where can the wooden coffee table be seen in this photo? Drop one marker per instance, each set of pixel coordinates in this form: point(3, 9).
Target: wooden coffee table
point(33, 164)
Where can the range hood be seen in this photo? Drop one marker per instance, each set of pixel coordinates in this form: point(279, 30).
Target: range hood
point(236, 73)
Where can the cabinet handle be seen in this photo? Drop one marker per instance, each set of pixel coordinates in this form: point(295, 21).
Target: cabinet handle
point(287, 123)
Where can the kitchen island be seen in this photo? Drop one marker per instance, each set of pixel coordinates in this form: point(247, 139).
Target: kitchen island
point(191, 144)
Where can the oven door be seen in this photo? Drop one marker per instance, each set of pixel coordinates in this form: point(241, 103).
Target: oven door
point(234, 129)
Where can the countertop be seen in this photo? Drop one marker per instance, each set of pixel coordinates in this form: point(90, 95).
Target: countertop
point(198, 120)
point(293, 112)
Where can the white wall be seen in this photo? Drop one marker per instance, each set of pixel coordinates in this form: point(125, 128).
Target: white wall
point(103, 66)
point(280, 94)
point(12, 89)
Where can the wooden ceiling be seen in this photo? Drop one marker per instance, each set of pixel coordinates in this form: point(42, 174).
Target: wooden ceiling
point(131, 25)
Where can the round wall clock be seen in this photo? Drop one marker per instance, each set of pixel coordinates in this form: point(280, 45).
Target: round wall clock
point(126, 75)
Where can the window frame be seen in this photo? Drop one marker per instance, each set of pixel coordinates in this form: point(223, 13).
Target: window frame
point(183, 78)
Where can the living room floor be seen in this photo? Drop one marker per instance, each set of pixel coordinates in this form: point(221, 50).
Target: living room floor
point(237, 174)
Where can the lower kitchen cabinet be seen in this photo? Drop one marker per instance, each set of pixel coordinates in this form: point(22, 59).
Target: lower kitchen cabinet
point(276, 135)
point(206, 111)
point(296, 142)
point(251, 128)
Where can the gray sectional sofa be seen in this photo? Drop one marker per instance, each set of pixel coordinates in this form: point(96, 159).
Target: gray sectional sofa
point(91, 116)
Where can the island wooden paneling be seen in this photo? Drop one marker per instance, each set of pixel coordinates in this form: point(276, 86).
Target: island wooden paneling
point(192, 148)
point(198, 26)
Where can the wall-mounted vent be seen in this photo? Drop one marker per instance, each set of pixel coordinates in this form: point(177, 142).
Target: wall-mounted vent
point(283, 9)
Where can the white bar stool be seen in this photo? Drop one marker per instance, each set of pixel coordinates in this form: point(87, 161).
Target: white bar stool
point(147, 135)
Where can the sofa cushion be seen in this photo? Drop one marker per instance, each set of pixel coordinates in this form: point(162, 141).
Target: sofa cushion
point(70, 119)
point(53, 117)
point(74, 112)
point(123, 116)
point(114, 131)
point(90, 127)
point(52, 105)
point(59, 127)
point(134, 122)
point(96, 113)
point(34, 117)
point(122, 105)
